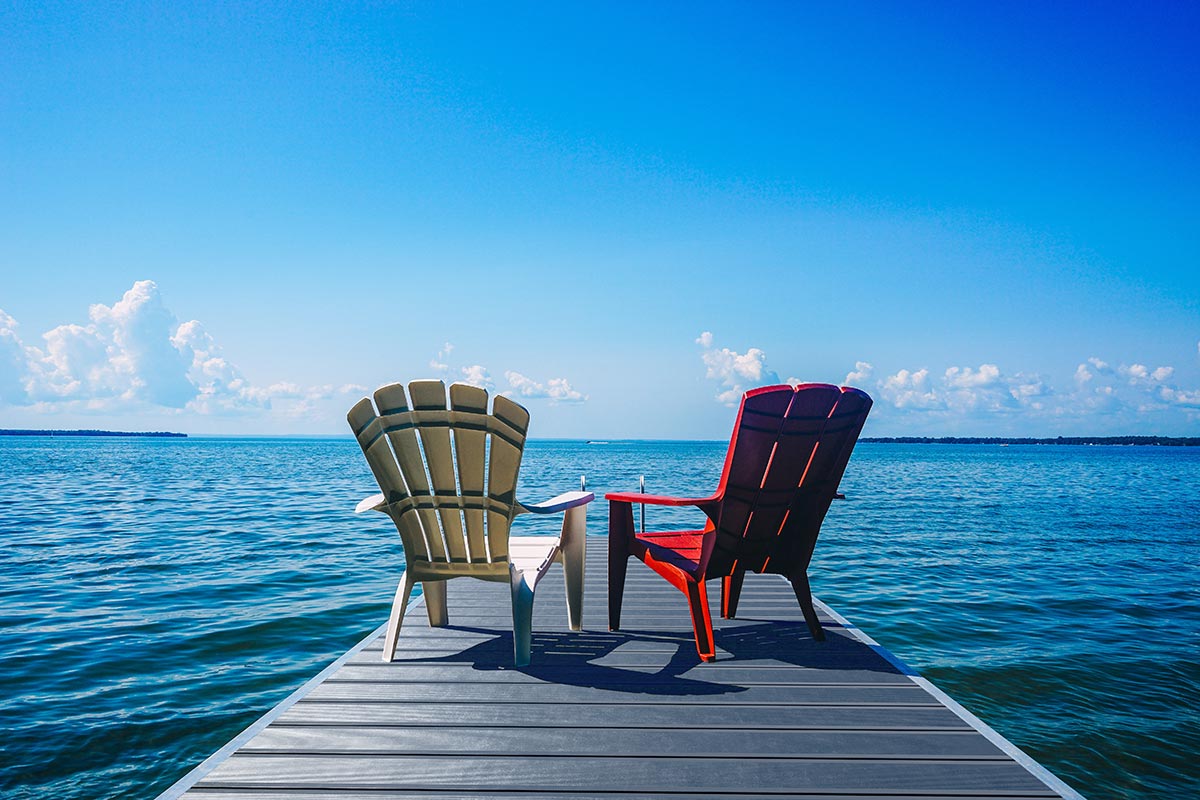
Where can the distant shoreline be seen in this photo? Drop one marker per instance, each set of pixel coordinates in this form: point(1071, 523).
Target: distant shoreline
point(136, 434)
point(1161, 441)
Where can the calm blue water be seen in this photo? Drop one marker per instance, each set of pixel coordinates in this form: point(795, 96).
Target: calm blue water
point(157, 596)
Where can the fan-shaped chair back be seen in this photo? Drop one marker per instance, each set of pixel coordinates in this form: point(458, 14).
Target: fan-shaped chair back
point(448, 472)
point(786, 457)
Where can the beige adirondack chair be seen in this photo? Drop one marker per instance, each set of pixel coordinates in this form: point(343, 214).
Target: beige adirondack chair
point(454, 518)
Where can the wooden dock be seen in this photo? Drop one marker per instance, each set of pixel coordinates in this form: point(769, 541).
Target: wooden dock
point(612, 715)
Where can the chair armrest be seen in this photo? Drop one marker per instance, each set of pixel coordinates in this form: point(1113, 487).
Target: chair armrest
point(658, 499)
point(560, 503)
point(373, 503)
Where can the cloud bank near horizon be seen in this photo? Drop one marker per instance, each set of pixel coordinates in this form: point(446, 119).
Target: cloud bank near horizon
point(136, 358)
point(1134, 395)
point(556, 390)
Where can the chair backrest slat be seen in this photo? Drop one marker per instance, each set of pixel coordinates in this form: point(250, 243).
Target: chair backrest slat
point(510, 424)
point(788, 451)
point(369, 430)
point(470, 443)
point(433, 427)
point(825, 473)
point(400, 424)
point(448, 472)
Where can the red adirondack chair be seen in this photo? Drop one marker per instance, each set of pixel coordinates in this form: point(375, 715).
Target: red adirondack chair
point(786, 457)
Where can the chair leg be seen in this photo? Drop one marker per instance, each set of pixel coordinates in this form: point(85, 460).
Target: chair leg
point(620, 528)
point(731, 590)
point(522, 613)
point(804, 595)
point(574, 550)
point(396, 618)
point(435, 603)
point(701, 620)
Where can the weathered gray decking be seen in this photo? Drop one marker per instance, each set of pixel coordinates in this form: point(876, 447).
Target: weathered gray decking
point(602, 714)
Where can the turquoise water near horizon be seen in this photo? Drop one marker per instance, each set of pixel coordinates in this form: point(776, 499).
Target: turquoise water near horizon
point(159, 595)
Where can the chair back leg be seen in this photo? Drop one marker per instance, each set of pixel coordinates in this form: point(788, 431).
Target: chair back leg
point(435, 603)
point(804, 595)
point(396, 618)
point(620, 529)
point(573, 552)
point(701, 619)
point(731, 590)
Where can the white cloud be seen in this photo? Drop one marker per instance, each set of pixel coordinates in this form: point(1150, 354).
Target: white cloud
point(124, 355)
point(1180, 397)
point(1101, 397)
point(735, 372)
point(134, 356)
point(14, 363)
point(1141, 374)
point(966, 378)
point(861, 373)
point(477, 375)
point(438, 362)
point(557, 390)
point(907, 389)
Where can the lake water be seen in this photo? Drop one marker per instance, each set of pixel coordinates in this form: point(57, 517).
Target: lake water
point(159, 595)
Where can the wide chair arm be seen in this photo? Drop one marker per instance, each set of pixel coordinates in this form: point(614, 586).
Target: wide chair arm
point(658, 499)
point(559, 503)
point(376, 502)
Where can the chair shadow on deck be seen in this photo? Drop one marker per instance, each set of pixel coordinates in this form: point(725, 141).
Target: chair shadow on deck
point(569, 658)
point(577, 658)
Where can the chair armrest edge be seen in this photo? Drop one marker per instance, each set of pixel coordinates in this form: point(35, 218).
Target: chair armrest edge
point(559, 503)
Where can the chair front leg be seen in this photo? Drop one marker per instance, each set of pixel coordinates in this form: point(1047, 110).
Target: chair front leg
point(396, 618)
point(804, 595)
point(573, 546)
point(522, 614)
point(620, 529)
point(701, 619)
point(435, 603)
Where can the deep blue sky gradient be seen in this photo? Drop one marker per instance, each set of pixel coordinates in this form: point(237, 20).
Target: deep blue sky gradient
point(581, 190)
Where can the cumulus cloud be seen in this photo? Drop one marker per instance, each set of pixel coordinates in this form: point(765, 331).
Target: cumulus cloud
point(861, 373)
point(1127, 395)
point(557, 390)
point(1180, 397)
point(134, 356)
point(910, 389)
point(477, 375)
point(967, 378)
point(735, 372)
point(964, 390)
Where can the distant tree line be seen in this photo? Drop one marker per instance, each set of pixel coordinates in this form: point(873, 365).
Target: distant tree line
point(152, 434)
point(1161, 441)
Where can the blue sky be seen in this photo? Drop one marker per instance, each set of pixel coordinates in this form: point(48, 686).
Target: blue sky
point(237, 219)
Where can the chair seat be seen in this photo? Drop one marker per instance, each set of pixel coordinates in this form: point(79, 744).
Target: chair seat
point(532, 553)
point(678, 548)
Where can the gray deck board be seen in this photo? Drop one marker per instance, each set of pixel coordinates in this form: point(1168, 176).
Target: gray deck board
point(617, 715)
